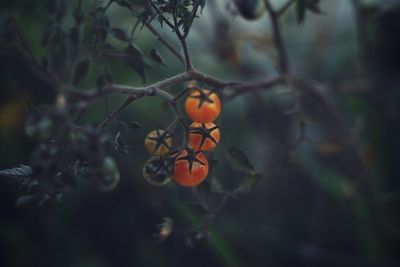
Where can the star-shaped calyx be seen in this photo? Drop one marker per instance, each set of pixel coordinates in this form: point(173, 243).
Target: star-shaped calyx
point(160, 139)
point(205, 133)
point(190, 157)
point(203, 96)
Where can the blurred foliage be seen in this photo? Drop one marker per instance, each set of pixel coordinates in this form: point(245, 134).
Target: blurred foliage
point(332, 200)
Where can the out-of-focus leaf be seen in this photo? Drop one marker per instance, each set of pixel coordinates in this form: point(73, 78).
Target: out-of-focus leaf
point(74, 35)
point(100, 27)
point(247, 183)
point(239, 161)
point(22, 200)
point(313, 6)
point(216, 186)
point(132, 125)
point(301, 10)
point(120, 34)
point(103, 79)
point(18, 172)
point(202, 4)
point(134, 59)
point(78, 16)
point(80, 71)
point(304, 5)
point(124, 3)
point(186, 22)
point(157, 57)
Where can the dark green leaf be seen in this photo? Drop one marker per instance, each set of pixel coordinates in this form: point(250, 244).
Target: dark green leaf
point(304, 5)
point(202, 4)
point(132, 125)
point(134, 59)
point(120, 34)
point(239, 161)
point(124, 3)
point(313, 6)
point(216, 186)
point(157, 57)
point(78, 16)
point(247, 183)
point(80, 71)
point(301, 10)
point(74, 35)
point(103, 79)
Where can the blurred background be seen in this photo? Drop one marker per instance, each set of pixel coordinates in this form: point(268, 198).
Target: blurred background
point(331, 200)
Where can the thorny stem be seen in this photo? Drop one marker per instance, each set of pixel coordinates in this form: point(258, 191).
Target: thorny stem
point(121, 107)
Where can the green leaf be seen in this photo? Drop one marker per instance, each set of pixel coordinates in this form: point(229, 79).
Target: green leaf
point(216, 186)
point(301, 10)
point(202, 4)
point(157, 57)
point(103, 79)
point(247, 183)
point(124, 3)
point(78, 16)
point(313, 6)
point(18, 172)
point(120, 34)
point(81, 71)
point(134, 59)
point(239, 161)
point(132, 125)
point(304, 5)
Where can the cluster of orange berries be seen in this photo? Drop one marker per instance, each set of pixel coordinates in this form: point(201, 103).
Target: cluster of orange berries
point(189, 166)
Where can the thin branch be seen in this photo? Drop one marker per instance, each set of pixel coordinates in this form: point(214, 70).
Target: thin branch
point(230, 90)
point(315, 92)
point(108, 4)
point(165, 42)
point(188, 62)
point(120, 108)
point(252, 86)
point(283, 61)
point(208, 79)
point(134, 28)
point(285, 7)
point(161, 15)
point(181, 38)
point(130, 90)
